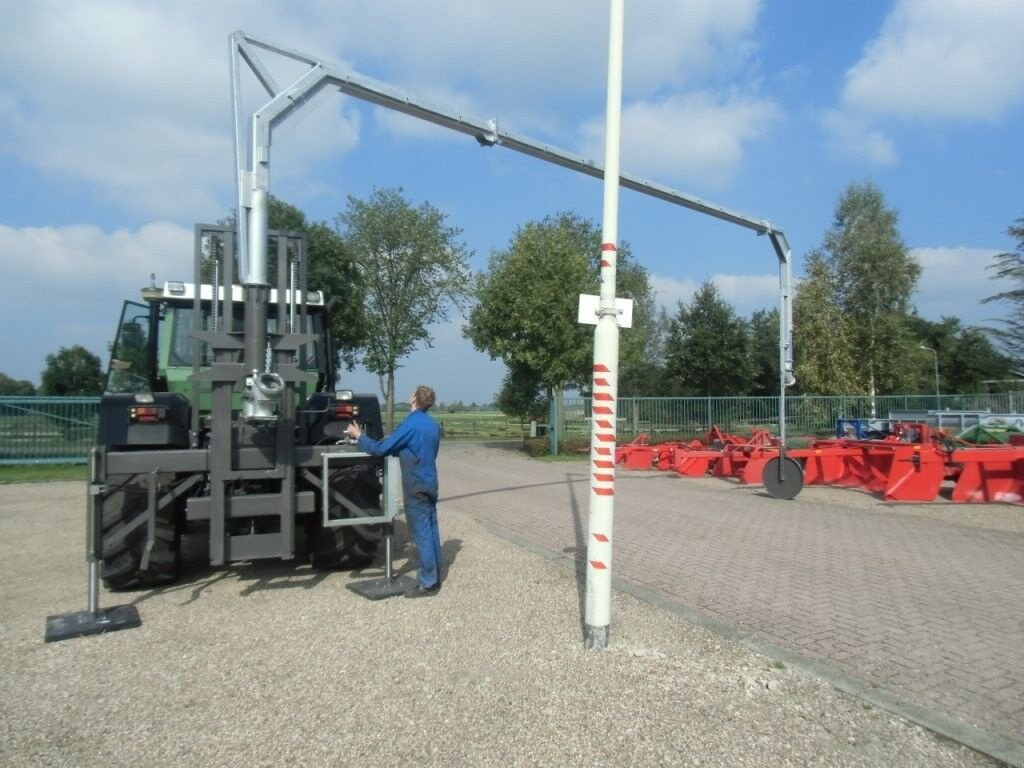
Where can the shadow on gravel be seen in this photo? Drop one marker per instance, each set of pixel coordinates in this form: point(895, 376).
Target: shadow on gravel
point(579, 553)
point(197, 575)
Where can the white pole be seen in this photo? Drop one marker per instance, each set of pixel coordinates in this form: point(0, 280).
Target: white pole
point(606, 367)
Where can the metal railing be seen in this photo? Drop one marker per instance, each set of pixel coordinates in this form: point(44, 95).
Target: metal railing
point(36, 430)
point(47, 430)
point(668, 418)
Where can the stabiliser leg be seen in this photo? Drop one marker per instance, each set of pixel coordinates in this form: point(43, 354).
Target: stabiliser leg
point(390, 585)
point(94, 620)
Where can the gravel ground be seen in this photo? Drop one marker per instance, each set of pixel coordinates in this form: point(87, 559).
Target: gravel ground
point(274, 664)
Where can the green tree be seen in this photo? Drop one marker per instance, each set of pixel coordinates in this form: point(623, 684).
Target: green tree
point(875, 278)
point(824, 358)
point(411, 269)
point(15, 387)
point(72, 371)
point(966, 357)
point(707, 347)
point(520, 396)
point(527, 302)
point(1010, 266)
point(763, 350)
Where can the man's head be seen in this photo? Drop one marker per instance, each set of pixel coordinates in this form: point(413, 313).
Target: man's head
point(423, 398)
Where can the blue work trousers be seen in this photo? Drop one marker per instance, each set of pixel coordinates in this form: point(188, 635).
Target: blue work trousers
point(421, 514)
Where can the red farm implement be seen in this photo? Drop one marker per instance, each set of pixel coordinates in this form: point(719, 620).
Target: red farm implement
point(915, 463)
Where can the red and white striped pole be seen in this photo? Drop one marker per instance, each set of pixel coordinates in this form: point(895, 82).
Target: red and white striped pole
point(606, 367)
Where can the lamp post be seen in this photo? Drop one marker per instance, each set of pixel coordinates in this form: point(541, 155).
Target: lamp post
point(935, 356)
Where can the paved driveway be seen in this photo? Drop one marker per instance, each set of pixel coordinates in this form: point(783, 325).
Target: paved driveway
point(917, 607)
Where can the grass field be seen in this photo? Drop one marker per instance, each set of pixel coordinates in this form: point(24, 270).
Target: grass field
point(42, 473)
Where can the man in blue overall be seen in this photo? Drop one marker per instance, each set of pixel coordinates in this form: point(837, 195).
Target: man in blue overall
point(415, 442)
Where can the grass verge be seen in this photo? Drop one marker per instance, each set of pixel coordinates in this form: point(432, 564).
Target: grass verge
point(42, 473)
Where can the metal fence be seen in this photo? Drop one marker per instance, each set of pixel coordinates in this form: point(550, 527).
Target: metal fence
point(47, 430)
point(63, 429)
point(691, 417)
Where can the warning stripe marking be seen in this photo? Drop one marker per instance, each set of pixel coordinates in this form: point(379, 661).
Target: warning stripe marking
point(604, 491)
point(601, 383)
point(607, 246)
point(602, 451)
point(603, 396)
point(598, 565)
point(601, 537)
point(604, 464)
point(605, 263)
point(604, 410)
point(601, 368)
point(605, 438)
point(603, 478)
point(604, 424)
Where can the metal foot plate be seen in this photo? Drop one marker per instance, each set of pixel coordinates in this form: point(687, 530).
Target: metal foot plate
point(379, 589)
point(65, 626)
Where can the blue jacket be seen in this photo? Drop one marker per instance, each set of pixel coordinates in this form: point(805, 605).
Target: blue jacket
point(415, 442)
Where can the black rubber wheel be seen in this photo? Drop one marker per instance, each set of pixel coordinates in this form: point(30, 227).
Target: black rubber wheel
point(783, 477)
point(349, 546)
point(122, 552)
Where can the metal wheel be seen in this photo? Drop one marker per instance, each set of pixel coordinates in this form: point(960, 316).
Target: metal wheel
point(783, 477)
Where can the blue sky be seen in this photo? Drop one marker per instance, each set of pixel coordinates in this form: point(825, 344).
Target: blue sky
point(115, 137)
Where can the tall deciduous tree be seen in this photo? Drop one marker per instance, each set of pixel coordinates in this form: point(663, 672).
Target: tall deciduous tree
point(527, 302)
point(875, 278)
point(412, 268)
point(707, 347)
point(824, 358)
point(72, 371)
point(1010, 266)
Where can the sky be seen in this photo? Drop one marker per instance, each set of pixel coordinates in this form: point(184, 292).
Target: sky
point(116, 137)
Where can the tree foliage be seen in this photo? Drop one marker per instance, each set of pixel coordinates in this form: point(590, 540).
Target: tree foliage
point(707, 347)
point(1010, 266)
point(10, 387)
point(864, 270)
point(824, 357)
point(411, 269)
point(966, 357)
point(527, 302)
point(72, 371)
point(763, 351)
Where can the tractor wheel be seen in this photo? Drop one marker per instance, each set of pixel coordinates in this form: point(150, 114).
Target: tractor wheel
point(123, 548)
point(349, 546)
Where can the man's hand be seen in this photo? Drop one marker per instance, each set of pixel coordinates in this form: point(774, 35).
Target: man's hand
point(354, 431)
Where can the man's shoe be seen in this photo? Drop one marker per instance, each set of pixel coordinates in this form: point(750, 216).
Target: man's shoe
point(421, 591)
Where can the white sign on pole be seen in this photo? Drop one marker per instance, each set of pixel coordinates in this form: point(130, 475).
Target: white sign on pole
point(589, 311)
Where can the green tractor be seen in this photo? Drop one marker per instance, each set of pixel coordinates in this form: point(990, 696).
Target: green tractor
point(220, 413)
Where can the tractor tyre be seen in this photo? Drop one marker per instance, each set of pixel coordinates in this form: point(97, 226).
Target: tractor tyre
point(349, 546)
point(124, 546)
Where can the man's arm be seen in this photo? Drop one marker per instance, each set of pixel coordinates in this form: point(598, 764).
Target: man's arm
point(389, 446)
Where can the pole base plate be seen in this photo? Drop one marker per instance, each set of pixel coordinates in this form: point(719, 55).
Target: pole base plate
point(379, 589)
point(65, 626)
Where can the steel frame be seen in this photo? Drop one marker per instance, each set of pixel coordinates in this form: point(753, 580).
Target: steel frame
point(253, 163)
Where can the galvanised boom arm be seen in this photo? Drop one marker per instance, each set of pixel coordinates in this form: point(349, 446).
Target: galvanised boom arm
point(253, 172)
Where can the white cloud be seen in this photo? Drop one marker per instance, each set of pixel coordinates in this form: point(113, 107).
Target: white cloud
point(696, 137)
point(952, 59)
point(852, 137)
point(65, 285)
point(132, 98)
point(953, 283)
point(745, 293)
point(80, 257)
